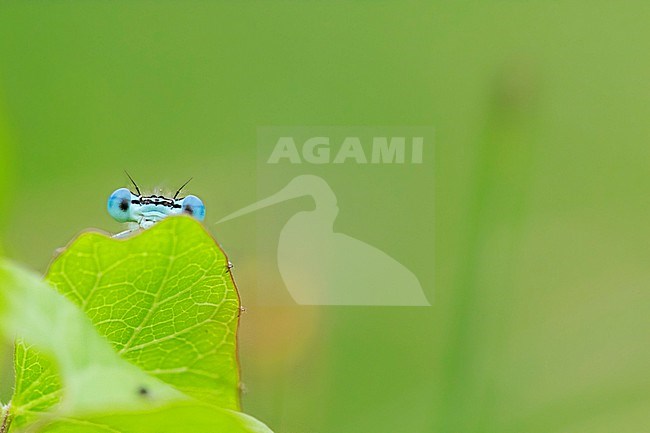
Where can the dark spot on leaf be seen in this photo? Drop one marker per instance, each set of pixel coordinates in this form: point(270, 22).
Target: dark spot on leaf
point(143, 391)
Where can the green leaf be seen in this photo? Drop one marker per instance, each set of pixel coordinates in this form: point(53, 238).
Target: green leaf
point(178, 417)
point(96, 390)
point(165, 300)
point(37, 387)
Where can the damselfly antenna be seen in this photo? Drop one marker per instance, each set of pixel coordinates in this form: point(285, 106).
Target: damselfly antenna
point(135, 184)
point(182, 186)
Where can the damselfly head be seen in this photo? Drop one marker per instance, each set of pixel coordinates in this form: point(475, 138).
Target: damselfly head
point(145, 210)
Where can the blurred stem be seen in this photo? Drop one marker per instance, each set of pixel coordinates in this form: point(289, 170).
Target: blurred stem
point(6, 168)
point(496, 214)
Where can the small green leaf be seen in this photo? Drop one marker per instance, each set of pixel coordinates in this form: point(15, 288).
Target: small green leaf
point(37, 387)
point(178, 417)
point(165, 300)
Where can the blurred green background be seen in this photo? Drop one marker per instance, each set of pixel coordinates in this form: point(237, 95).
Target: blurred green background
point(539, 286)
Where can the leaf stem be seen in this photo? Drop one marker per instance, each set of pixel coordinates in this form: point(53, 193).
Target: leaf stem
point(6, 418)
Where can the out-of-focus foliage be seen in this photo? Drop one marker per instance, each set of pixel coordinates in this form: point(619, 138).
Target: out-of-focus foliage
point(174, 417)
point(5, 163)
point(528, 229)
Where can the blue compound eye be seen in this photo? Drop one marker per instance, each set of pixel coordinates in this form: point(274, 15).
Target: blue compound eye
point(119, 205)
point(193, 205)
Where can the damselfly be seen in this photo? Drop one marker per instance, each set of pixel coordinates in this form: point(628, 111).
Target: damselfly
point(143, 211)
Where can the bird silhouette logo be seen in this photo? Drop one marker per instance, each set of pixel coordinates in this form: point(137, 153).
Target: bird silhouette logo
point(322, 267)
